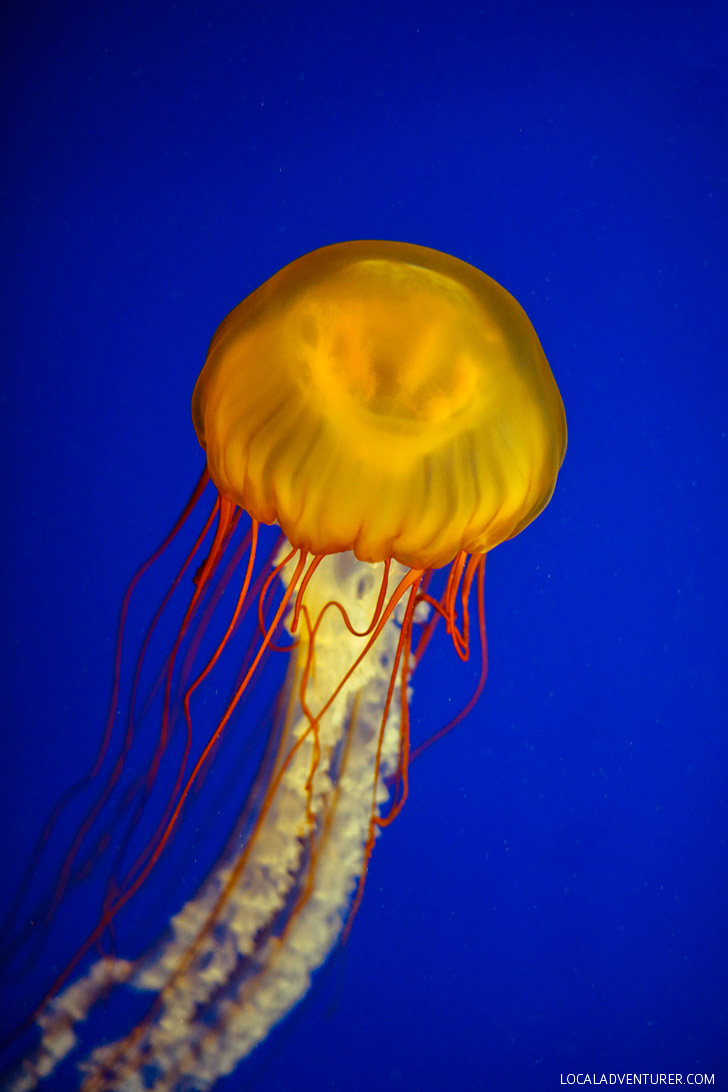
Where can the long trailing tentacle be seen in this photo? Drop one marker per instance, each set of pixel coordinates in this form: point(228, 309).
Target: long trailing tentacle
point(14, 939)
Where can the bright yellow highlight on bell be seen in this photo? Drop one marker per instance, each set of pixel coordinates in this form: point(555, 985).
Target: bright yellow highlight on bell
point(383, 398)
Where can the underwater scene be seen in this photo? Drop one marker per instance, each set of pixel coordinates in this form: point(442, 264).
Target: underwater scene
point(364, 727)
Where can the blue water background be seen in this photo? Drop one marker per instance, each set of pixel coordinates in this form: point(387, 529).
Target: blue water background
point(553, 897)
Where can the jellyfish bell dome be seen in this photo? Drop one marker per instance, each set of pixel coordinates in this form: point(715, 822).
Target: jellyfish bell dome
point(384, 398)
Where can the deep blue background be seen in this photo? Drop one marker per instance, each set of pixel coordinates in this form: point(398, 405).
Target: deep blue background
point(553, 898)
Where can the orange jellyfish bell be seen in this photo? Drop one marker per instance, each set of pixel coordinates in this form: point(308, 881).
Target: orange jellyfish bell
point(391, 409)
point(383, 398)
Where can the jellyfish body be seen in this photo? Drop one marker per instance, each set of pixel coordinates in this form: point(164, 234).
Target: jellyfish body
point(382, 398)
point(391, 409)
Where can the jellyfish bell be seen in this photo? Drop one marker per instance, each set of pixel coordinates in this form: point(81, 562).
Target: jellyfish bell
point(383, 398)
point(391, 409)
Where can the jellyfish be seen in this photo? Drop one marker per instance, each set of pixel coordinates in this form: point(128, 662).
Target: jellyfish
point(389, 409)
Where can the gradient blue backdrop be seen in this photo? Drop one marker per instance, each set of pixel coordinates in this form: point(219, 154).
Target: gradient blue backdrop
point(553, 898)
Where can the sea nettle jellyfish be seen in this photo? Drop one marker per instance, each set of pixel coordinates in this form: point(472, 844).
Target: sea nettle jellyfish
point(390, 409)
